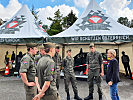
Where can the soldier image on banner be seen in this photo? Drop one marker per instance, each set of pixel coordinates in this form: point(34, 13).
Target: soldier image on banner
point(57, 60)
point(28, 71)
point(69, 75)
point(46, 75)
point(94, 70)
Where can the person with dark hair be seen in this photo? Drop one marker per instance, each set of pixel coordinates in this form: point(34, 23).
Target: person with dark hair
point(69, 75)
point(17, 64)
point(39, 55)
point(7, 58)
point(46, 75)
point(57, 60)
point(28, 71)
point(13, 56)
point(125, 60)
point(112, 75)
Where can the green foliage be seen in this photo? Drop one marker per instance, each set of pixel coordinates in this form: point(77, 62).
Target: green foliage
point(124, 21)
point(131, 25)
point(60, 23)
point(34, 13)
point(69, 20)
point(1, 21)
point(45, 27)
point(56, 26)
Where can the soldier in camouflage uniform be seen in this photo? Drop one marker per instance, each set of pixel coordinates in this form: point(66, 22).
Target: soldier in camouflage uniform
point(95, 66)
point(28, 71)
point(45, 77)
point(41, 54)
point(57, 60)
point(69, 75)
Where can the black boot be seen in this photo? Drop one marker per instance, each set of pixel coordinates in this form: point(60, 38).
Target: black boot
point(68, 96)
point(77, 97)
point(89, 97)
point(100, 97)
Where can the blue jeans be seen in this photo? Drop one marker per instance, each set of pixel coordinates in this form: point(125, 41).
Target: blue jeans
point(113, 92)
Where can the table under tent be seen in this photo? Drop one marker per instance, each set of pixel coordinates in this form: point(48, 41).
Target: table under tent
point(94, 25)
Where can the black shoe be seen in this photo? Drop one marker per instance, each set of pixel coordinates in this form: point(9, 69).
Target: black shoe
point(90, 97)
point(68, 96)
point(77, 97)
point(100, 97)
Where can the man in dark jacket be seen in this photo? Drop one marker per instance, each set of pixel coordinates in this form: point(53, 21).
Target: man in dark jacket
point(125, 60)
point(17, 64)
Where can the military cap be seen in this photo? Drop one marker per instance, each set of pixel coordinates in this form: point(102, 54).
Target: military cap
point(49, 45)
point(57, 47)
point(69, 50)
point(41, 47)
point(91, 45)
point(30, 45)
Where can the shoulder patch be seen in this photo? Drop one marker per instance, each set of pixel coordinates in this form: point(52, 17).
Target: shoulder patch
point(52, 70)
point(25, 62)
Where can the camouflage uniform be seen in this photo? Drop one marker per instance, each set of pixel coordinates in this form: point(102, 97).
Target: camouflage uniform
point(46, 71)
point(28, 67)
point(69, 74)
point(94, 60)
point(37, 57)
point(57, 60)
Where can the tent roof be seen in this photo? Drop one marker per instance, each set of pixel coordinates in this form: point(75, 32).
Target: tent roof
point(21, 26)
point(94, 21)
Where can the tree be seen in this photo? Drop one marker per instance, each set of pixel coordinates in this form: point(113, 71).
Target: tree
point(45, 27)
point(56, 26)
point(131, 24)
point(124, 21)
point(1, 21)
point(60, 23)
point(69, 20)
point(34, 13)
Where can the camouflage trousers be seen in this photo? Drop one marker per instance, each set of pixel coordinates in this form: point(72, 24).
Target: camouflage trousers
point(58, 79)
point(70, 78)
point(30, 92)
point(55, 96)
point(94, 74)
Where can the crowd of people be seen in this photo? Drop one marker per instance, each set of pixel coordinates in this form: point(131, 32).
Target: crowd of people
point(42, 70)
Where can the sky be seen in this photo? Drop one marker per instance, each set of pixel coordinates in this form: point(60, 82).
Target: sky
point(47, 8)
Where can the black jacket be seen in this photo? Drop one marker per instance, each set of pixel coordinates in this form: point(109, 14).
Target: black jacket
point(113, 71)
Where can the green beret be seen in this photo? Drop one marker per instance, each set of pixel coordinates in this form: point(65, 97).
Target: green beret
point(49, 45)
point(31, 45)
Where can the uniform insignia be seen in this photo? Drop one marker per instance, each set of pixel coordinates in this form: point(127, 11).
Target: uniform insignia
point(35, 62)
point(52, 70)
point(25, 62)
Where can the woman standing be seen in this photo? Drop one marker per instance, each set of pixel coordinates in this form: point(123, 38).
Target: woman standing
point(112, 76)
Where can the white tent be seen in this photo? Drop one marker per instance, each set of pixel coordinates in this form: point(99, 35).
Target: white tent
point(22, 28)
point(94, 26)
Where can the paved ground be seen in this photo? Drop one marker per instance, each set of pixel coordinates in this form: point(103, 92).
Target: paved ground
point(11, 88)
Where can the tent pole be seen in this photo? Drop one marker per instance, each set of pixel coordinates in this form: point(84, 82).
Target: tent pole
point(63, 51)
point(16, 49)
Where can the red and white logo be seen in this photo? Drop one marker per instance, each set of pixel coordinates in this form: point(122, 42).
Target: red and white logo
point(12, 24)
point(95, 19)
